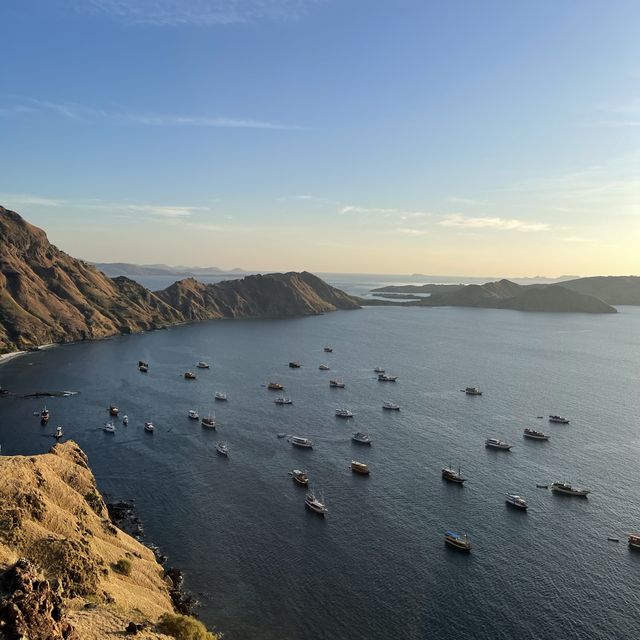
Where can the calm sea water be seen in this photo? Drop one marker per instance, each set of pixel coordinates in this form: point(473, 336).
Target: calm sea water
point(376, 567)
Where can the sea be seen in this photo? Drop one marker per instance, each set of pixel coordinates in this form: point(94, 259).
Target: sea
point(376, 567)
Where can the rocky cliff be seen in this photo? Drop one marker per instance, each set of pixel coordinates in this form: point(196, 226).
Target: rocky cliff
point(47, 296)
point(65, 570)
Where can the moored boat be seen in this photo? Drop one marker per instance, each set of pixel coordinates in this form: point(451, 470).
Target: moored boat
point(473, 391)
point(222, 449)
point(148, 426)
point(568, 489)
point(208, 422)
point(44, 416)
point(343, 413)
point(125, 420)
point(634, 541)
point(202, 365)
point(535, 435)
point(324, 367)
point(113, 410)
point(458, 541)
point(361, 438)
point(193, 415)
point(516, 501)
point(383, 377)
point(336, 384)
point(328, 349)
point(559, 419)
point(359, 467)
point(283, 400)
point(302, 443)
point(391, 406)
point(294, 365)
point(299, 476)
point(143, 368)
point(189, 375)
point(451, 475)
point(275, 386)
point(496, 443)
point(314, 503)
point(58, 434)
point(220, 395)
point(109, 427)
point(379, 370)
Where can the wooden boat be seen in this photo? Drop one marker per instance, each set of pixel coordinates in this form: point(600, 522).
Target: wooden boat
point(459, 541)
point(359, 467)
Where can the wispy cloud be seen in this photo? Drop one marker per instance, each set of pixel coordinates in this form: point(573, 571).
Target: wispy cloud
point(383, 211)
point(83, 113)
point(501, 224)
point(196, 12)
point(408, 231)
point(458, 200)
point(16, 199)
point(162, 211)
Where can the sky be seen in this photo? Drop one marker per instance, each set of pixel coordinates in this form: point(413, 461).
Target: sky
point(477, 137)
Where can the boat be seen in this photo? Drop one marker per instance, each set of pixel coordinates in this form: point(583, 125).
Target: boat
point(125, 420)
point(566, 488)
point(542, 486)
point(294, 365)
point(378, 370)
point(451, 475)
point(383, 377)
point(336, 384)
point(58, 434)
point(142, 363)
point(328, 349)
point(220, 395)
point(189, 375)
point(44, 416)
point(300, 477)
point(391, 406)
point(315, 504)
point(361, 438)
point(193, 415)
point(222, 449)
point(359, 467)
point(343, 413)
point(495, 443)
point(109, 427)
point(144, 368)
point(202, 365)
point(208, 422)
point(613, 539)
point(516, 501)
point(303, 443)
point(283, 400)
point(324, 367)
point(558, 419)
point(275, 386)
point(458, 541)
point(473, 391)
point(113, 410)
point(148, 426)
point(535, 435)
point(634, 540)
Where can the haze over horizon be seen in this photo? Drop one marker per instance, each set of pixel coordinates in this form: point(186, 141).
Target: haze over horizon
point(355, 137)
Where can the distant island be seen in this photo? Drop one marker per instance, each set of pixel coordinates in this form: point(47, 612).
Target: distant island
point(113, 269)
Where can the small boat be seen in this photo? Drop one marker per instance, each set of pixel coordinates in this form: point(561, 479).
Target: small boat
point(109, 427)
point(495, 443)
point(125, 420)
point(189, 375)
point(391, 406)
point(300, 477)
point(193, 415)
point(282, 435)
point(451, 475)
point(324, 367)
point(328, 349)
point(336, 384)
point(294, 365)
point(473, 391)
point(283, 400)
point(148, 426)
point(113, 410)
point(458, 541)
point(634, 541)
point(383, 377)
point(220, 395)
point(208, 422)
point(361, 438)
point(535, 435)
point(142, 363)
point(343, 413)
point(202, 365)
point(542, 486)
point(378, 370)
point(516, 501)
point(275, 386)
point(303, 443)
point(58, 434)
point(143, 367)
point(558, 419)
point(567, 489)
point(359, 467)
point(612, 539)
point(315, 504)
point(222, 449)
point(44, 416)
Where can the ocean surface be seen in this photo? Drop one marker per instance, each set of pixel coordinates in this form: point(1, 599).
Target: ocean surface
point(376, 567)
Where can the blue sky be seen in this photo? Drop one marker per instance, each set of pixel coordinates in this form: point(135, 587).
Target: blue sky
point(476, 138)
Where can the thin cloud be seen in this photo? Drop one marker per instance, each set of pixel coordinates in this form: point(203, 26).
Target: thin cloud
point(28, 199)
point(408, 231)
point(383, 211)
point(501, 224)
point(164, 211)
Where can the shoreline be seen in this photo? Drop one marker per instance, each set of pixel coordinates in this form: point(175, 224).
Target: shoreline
point(6, 357)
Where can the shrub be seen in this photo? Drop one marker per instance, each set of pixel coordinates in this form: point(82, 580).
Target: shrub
point(123, 566)
point(185, 628)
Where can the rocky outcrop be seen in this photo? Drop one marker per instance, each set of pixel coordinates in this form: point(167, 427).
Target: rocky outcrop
point(47, 296)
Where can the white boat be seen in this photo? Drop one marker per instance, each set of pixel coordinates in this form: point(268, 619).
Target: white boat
point(390, 406)
point(220, 395)
point(360, 467)
point(343, 413)
point(324, 367)
point(202, 365)
point(361, 438)
point(516, 501)
point(303, 443)
point(473, 391)
point(383, 377)
point(378, 370)
point(336, 384)
point(208, 422)
point(109, 427)
point(328, 349)
point(58, 433)
point(222, 449)
point(300, 476)
point(148, 426)
point(535, 435)
point(558, 419)
point(495, 443)
point(315, 504)
point(193, 415)
point(125, 420)
point(283, 400)
point(44, 416)
point(566, 488)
